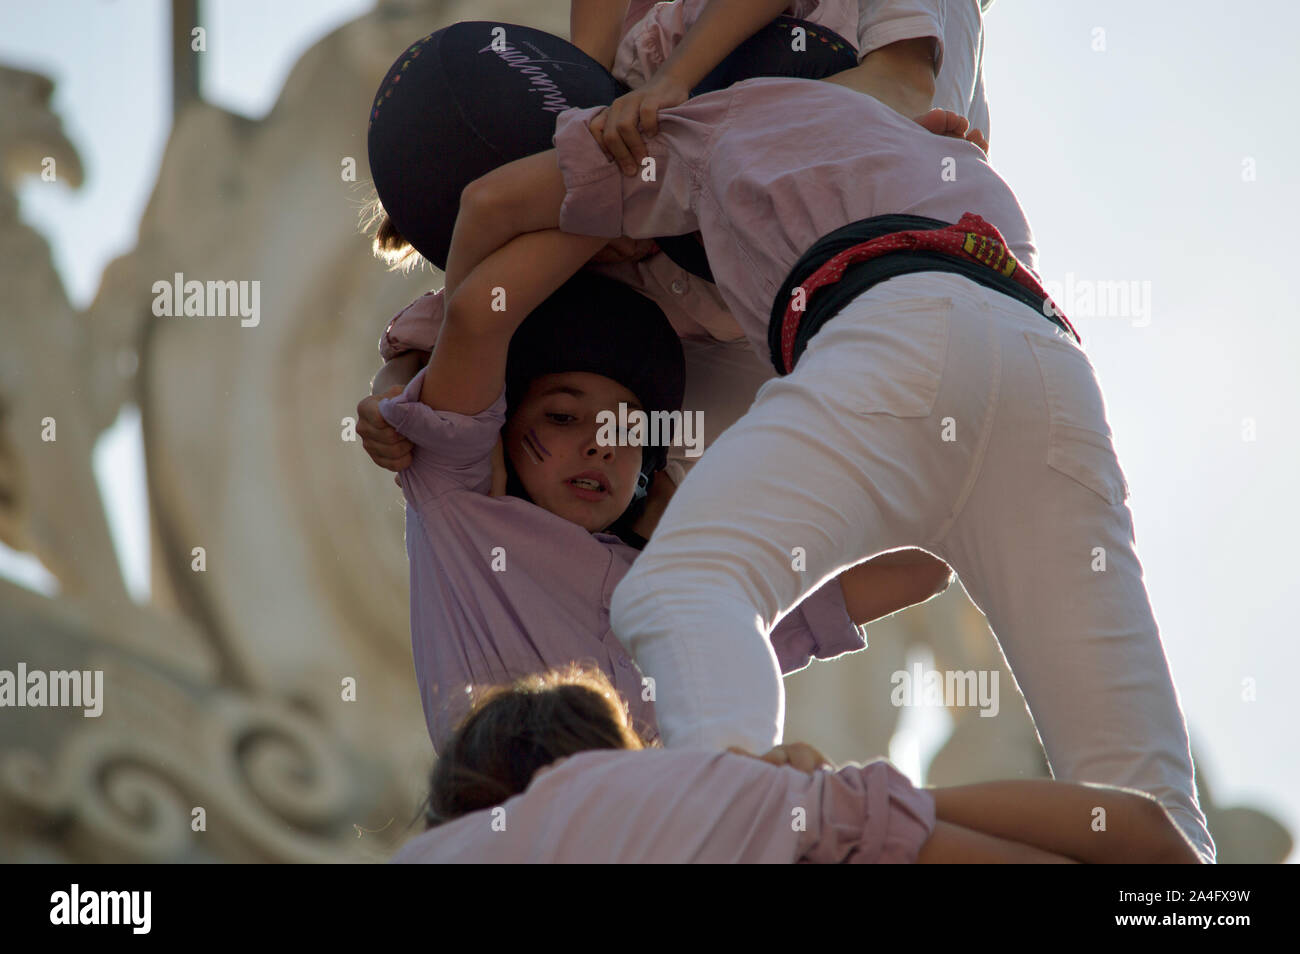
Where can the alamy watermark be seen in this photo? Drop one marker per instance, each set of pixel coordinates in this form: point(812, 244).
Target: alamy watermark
point(77, 688)
point(951, 688)
point(1089, 298)
point(637, 428)
point(75, 906)
point(214, 299)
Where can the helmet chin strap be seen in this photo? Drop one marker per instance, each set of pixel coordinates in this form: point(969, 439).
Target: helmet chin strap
point(642, 486)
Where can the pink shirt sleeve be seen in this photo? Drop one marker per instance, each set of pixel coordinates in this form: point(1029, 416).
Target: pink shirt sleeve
point(882, 22)
point(867, 814)
point(414, 328)
point(600, 200)
point(651, 39)
point(670, 806)
point(452, 451)
point(648, 43)
point(819, 627)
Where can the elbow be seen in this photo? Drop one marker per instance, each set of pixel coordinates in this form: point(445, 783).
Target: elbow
point(475, 196)
point(469, 312)
point(924, 586)
point(476, 201)
point(943, 577)
point(456, 311)
point(484, 199)
point(930, 578)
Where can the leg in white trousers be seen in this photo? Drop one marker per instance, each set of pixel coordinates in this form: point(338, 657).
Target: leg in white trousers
point(931, 412)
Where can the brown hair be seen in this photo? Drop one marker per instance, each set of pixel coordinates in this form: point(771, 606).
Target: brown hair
point(387, 243)
point(516, 729)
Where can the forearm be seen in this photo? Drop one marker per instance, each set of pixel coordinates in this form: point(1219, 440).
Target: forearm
point(951, 844)
point(509, 283)
point(595, 27)
point(1063, 818)
point(467, 368)
point(722, 27)
point(516, 198)
point(892, 582)
point(399, 371)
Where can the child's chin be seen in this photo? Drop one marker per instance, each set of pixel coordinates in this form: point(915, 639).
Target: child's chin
point(590, 516)
point(595, 520)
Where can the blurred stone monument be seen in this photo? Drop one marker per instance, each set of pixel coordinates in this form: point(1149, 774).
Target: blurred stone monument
point(262, 705)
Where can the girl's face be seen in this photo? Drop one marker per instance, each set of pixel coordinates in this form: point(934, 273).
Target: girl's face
point(551, 440)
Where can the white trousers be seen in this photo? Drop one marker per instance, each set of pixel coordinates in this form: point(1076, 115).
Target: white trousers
point(931, 412)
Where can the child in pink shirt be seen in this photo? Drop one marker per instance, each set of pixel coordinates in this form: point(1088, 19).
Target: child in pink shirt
point(548, 770)
point(867, 164)
point(505, 585)
point(489, 599)
point(932, 409)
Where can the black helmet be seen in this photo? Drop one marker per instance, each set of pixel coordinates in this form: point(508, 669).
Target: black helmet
point(595, 324)
point(459, 103)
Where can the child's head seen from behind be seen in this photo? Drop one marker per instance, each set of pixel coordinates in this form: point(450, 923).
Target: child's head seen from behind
point(515, 730)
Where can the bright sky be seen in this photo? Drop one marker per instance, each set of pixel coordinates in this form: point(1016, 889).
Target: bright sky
point(1147, 145)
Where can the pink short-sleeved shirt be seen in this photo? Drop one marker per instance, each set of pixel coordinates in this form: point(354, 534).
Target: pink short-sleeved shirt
point(765, 168)
point(667, 806)
point(650, 41)
point(502, 588)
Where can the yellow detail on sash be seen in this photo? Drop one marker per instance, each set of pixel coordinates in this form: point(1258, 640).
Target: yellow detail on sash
point(990, 252)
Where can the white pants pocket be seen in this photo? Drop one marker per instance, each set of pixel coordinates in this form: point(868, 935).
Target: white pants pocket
point(1079, 443)
point(900, 348)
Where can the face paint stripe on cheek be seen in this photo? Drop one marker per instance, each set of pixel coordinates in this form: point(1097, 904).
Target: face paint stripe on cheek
point(529, 450)
point(537, 442)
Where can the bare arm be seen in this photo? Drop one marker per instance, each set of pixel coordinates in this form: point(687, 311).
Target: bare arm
point(518, 197)
point(891, 582)
point(595, 27)
point(507, 255)
point(722, 27)
point(951, 844)
point(1061, 818)
point(468, 368)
